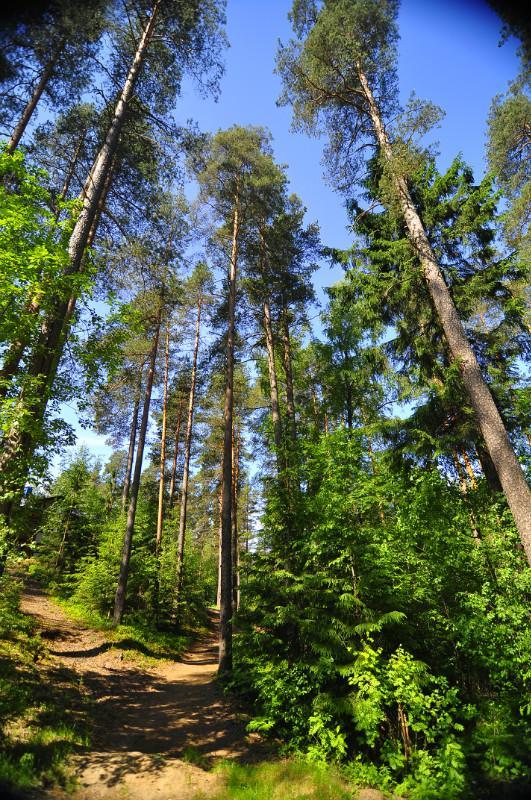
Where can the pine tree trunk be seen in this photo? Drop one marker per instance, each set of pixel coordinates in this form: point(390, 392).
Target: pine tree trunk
point(32, 103)
point(463, 485)
point(71, 169)
point(463, 488)
point(349, 405)
point(220, 504)
point(469, 470)
point(160, 510)
point(175, 455)
point(15, 352)
point(288, 371)
point(225, 621)
point(273, 383)
point(119, 599)
point(132, 441)
point(96, 179)
point(18, 445)
point(315, 404)
point(490, 422)
point(489, 470)
point(234, 522)
point(187, 451)
point(247, 520)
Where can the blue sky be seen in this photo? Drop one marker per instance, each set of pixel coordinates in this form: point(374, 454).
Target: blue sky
point(448, 54)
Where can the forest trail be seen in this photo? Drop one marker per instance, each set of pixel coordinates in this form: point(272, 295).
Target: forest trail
point(145, 719)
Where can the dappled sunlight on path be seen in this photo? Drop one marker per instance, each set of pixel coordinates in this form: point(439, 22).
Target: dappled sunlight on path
point(157, 729)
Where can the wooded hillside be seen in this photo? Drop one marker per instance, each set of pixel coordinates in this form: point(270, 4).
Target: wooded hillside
point(344, 479)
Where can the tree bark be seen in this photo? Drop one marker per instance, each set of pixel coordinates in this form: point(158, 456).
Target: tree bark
point(469, 470)
point(234, 521)
point(288, 371)
point(490, 422)
point(187, 452)
point(273, 383)
point(349, 405)
point(132, 441)
point(463, 488)
point(225, 622)
point(18, 445)
point(96, 178)
point(71, 169)
point(31, 105)
point(220, 504)
point(13, 355)
point(175, 455)
point(489, 470)
point(160, 510)
point(15, 352)
point(463, 485)
point(119, 599)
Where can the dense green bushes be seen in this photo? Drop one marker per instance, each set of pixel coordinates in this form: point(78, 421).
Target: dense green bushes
point(42, 708)
point(389, 629)
point(79, 544)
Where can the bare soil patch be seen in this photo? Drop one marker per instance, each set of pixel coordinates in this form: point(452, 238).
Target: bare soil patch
point(156, 730)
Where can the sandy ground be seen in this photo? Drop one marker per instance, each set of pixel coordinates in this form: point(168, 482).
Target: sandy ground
point(145, 719)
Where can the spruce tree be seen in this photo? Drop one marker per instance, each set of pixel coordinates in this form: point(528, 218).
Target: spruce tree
point(341, 73)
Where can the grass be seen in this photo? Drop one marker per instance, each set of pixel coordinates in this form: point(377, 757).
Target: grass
point(43, 708)
point(192, 755)
point(280, 780)
point(139, 638)
point(139, 641)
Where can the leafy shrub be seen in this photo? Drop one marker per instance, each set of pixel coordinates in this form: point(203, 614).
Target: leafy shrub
point(410, 718)
point(39, 715)
point(386, 625)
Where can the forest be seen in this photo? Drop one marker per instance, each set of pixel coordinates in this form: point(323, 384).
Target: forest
point(298, 568)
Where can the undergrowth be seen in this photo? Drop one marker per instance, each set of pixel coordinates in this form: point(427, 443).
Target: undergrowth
point(138, 639)
point(43, 708)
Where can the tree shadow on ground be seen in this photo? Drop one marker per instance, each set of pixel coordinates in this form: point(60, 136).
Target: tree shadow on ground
point(45, 716)
point(129, 644)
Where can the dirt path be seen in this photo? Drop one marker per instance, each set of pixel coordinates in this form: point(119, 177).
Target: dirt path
point(145, 719)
